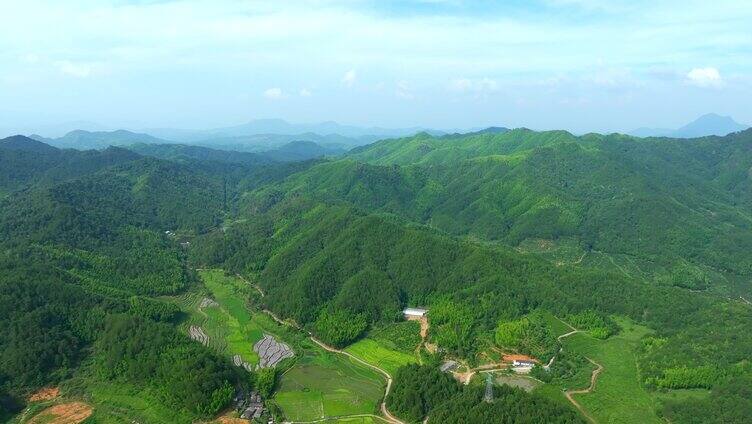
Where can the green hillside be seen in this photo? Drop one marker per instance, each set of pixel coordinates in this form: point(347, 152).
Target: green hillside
point(678, 209)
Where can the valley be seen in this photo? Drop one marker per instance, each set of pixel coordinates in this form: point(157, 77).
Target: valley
point(289, 280)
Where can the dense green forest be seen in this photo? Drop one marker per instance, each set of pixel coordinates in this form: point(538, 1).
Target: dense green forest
point(656, 230)
point(676, 209)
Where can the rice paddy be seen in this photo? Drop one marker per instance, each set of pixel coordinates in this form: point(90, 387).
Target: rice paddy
point(324, 384)
point(223, 322)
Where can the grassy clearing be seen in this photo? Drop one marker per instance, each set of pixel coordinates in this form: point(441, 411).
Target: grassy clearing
point(553, 392)
point(377, 354)
point(556, 325)
point(324, 384)
point(618, 397)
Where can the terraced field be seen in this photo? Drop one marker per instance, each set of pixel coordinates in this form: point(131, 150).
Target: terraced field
point(224, 318)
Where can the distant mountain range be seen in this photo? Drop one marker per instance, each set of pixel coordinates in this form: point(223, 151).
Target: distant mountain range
point(709, 124)
point(83, 140)
point(318, 139)
point(272, 147)
point(357, 135)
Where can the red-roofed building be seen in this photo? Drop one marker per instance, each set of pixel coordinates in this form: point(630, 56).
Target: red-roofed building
point(521, 360)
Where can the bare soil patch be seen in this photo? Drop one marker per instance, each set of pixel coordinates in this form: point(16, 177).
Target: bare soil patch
point(231, 420)
point(64, 413)
point(48, 393)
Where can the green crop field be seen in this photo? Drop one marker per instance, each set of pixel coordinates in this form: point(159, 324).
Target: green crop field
point(375, 353)
point(325, 384)
point(618, 397)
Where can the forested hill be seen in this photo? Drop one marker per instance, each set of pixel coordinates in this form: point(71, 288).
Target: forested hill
point(24, 161)
point(672, 210)
point(25, 144)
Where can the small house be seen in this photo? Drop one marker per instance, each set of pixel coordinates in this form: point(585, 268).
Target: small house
point(414, 313)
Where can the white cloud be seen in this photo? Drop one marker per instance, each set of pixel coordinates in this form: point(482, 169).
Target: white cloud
point(403, 90)
point(478, 86)
point(73, 69)
point(705, 77)
point(304, 92)
point(349, 78)
point(274, 93)
point(30, 58)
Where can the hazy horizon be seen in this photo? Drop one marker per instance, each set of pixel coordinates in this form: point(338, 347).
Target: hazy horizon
point(577, 65)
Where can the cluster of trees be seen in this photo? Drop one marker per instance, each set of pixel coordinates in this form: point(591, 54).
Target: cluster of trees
point(421, 391)
point(417, 390)
point(569, 369)
point(182, 373)
point(403, 336)
point(453, 326)
point(597, 324)
point(46, 323)
point(338, 327)
point(530, 335)
point(728, 403)
point(153, 309)
point(510, 406)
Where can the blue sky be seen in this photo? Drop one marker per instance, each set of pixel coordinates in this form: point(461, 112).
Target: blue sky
point(581, 65)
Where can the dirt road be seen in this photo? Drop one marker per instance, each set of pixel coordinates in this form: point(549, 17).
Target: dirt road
point(593, 380)
point(389, 417)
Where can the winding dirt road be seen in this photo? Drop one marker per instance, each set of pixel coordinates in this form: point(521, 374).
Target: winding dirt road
point(593, 378)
